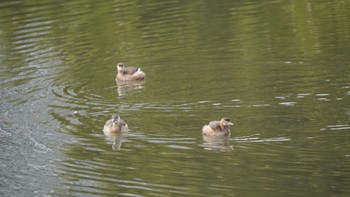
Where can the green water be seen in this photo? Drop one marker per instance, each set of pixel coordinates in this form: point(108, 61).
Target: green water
point(279, 69)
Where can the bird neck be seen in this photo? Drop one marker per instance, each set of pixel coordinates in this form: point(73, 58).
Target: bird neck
point(222, 127)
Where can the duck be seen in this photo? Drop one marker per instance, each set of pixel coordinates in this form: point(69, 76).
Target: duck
point(115, 125)
point(218, 128)
point(129, 73)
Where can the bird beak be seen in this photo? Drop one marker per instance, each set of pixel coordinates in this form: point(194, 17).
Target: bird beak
point(230, 123)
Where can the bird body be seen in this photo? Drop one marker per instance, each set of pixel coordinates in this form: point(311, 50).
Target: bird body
point(218, 128)
point(115, 125)
point(129, 73)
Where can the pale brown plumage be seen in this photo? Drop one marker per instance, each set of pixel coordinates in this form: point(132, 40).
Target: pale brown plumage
point(129, 70)
point(115, 125)
point(129, 73)
point(218, 128)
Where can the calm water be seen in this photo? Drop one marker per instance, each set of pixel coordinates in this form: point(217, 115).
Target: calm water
point(279, 69)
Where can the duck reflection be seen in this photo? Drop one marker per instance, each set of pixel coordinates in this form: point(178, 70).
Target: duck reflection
point(217, 143)
point(117, 139)
point(129, 86)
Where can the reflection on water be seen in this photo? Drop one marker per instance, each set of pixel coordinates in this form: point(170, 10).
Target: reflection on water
point(129, 86)
point(221, 143)
point(117, 139)
point(279, 69)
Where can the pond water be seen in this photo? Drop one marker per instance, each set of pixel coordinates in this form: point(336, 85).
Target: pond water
point(279, 69)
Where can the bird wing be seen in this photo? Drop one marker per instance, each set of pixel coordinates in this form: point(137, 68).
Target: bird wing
point(214, 124)
point(109, 123)
point(130, 70)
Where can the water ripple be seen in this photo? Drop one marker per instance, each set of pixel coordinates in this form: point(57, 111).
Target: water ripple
point(88, 173)
point(338, 127)
point(203, 60)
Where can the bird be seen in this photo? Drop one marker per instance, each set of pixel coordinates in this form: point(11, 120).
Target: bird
point(218, 128)
point(129, 73)
point(115, 125)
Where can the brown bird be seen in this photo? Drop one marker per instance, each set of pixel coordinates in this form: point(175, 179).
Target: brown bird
point(129, 73)
point(218, 128)
point(115, 125)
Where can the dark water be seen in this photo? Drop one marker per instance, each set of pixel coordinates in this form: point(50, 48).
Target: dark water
point(279, 69)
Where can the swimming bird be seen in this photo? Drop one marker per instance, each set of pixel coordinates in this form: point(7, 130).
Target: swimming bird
point(129, 73)
point(218, 128)
point(115, 125)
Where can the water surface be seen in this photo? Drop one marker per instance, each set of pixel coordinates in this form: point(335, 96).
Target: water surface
point(279, 69)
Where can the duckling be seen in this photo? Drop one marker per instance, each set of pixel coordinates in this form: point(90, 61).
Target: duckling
point(115, 125)
point(218, 128)
point(129, 73)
